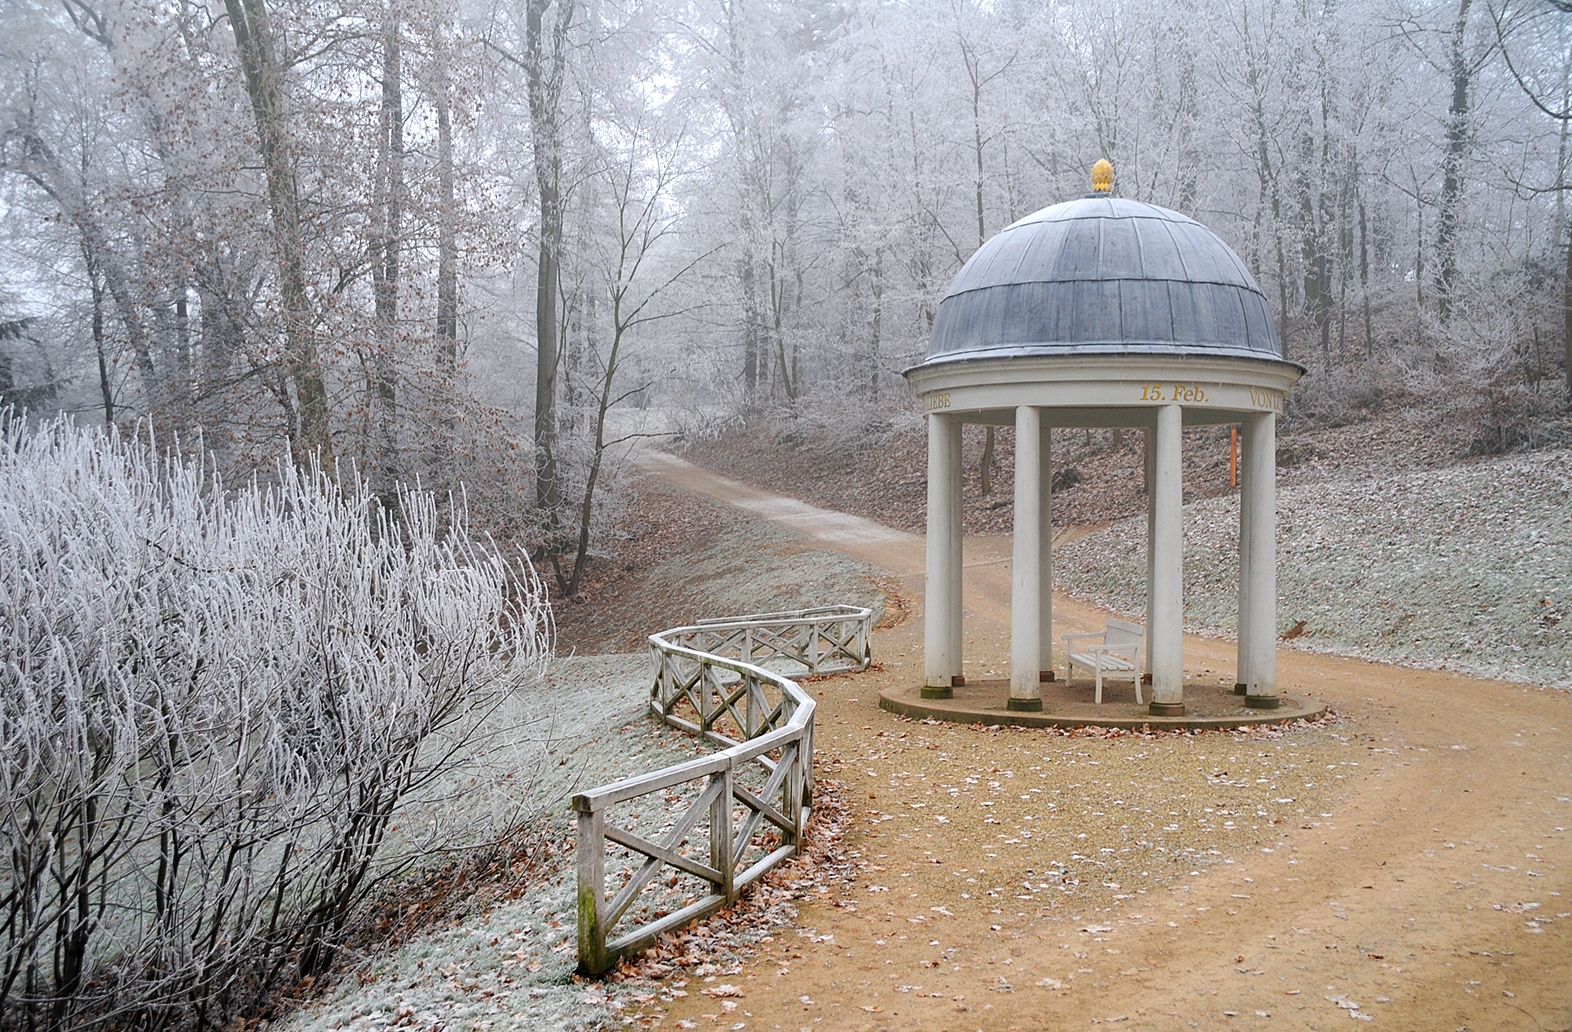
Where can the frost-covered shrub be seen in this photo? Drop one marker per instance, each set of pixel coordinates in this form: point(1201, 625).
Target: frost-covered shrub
point(214, 703)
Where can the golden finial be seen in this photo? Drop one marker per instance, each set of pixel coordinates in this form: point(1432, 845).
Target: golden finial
point(1102, 176)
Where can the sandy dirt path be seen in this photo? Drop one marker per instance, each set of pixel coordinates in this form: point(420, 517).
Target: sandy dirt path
point(1408, 865)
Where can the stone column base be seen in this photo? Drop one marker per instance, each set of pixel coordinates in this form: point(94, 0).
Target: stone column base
point(1262, 701)
point(937, 692)
point(1167, 709)
point(1240, 688)
point(1045, 676)
point(1024, 705)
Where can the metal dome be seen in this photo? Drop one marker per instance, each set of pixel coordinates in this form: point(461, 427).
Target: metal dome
point(1103, 275)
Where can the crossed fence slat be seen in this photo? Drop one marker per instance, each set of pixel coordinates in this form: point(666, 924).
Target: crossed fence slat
point(710, 681)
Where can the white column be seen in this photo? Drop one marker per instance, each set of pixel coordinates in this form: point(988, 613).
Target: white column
point(1260, 483)
point(957, 578)
point(1151, 540)
point(1026, 564)
point(1045, 553)
point(1242, 670)
point(1165, 627)
point(938, 657)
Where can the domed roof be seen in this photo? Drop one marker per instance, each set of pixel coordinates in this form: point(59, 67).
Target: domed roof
point(1104, 275)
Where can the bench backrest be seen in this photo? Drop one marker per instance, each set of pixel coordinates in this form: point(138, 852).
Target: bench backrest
point(1123, 632)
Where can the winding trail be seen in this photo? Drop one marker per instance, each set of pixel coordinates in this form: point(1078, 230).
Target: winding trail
point(1431, 889)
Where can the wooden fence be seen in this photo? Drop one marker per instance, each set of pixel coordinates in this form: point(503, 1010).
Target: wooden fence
point(707, 828)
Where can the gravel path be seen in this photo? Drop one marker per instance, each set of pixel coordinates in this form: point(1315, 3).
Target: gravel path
point(1407, 864)
point(1465, 568)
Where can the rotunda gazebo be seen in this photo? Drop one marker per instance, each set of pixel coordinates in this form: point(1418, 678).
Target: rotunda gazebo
point(1103, 312)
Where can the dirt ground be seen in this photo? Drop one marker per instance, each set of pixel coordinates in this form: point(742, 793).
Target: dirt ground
point(1406, 864)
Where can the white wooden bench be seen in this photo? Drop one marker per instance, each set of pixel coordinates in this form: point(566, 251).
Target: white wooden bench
point(1117, 653)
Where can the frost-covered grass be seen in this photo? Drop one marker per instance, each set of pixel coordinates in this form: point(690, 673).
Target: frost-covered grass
point(510, 966)
point(1467, 567)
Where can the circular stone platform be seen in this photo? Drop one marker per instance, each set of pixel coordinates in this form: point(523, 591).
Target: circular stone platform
point(1070, 705)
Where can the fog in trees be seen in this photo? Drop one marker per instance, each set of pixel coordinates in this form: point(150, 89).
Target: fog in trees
point(490, 246)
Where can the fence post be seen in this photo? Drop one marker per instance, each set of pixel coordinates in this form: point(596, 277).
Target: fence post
point(707, 700)
point(791, 797)
point(592, 877)
point(721, 856)
point(806, 761)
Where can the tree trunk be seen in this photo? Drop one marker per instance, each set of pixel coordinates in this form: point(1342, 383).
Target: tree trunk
point(750, 325)
point(875, 362)
point(447, 223)
point(446, 328)
point(1452, 166)
point(977, 148)
point(987, 463)
point(96, 287)
point(386, 258)
point(263, 70)
point(1364, 278)
point(544, 61)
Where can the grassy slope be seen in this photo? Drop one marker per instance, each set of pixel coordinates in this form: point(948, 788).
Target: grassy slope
point(501, 955)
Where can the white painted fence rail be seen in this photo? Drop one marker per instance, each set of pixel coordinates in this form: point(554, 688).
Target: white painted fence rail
point(721, 821)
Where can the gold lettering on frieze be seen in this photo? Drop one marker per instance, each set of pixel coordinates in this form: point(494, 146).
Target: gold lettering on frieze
point(1169, 392)
point(936, 400)
point(1264, 398)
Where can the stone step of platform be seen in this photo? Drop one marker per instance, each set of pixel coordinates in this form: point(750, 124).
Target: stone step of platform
point(1069, 704)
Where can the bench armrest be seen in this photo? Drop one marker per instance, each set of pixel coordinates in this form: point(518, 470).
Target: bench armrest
point(1070, 639)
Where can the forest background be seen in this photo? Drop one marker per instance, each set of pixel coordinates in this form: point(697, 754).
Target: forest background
point(464, 244)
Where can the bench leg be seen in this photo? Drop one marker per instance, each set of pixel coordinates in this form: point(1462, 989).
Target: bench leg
point(1137, 680)
point(1098, 696)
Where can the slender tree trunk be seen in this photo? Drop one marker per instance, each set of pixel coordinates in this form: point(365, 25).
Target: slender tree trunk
point(387, 255)
point(1452, 165)
point(1269, 187)
point(987, 463)
point(263, 69)
point(877, 290)
point(1566, 323)
point(977, 149)
point(1364, 278)
point(386, 259)
point(603, 404)
point(446, 328)
point(544, 59)
point(750, 325)
point(96, 288)
point(1188, 115)
point(182, 385)
point(447, 225)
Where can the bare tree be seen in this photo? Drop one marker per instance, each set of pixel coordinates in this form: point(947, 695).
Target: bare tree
point(1548, 85)
point(263, 69)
